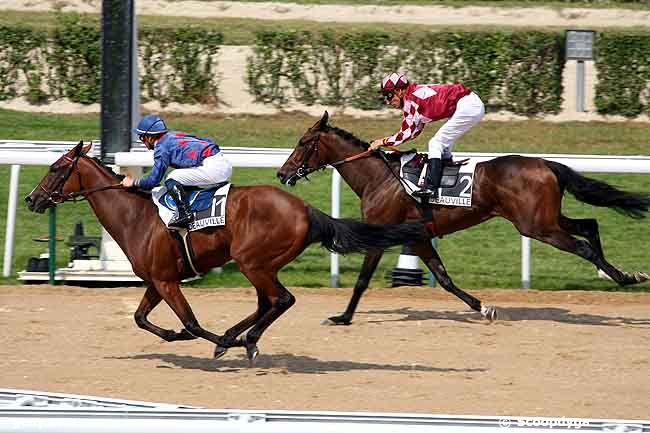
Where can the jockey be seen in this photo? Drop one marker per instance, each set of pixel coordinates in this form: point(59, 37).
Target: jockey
point(198, 162)
point(424, 103)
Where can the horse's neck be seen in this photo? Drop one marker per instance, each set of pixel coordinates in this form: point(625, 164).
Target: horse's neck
point(363, 174)
point(121, 213)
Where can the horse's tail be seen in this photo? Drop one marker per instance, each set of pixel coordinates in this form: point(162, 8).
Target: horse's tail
point(598, 193)
point(349, 236)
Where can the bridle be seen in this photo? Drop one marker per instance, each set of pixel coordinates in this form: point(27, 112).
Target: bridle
point(304, 169)
point(58, 196)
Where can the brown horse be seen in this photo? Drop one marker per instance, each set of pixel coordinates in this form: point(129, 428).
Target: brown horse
point(266, 229)
point(526, 191)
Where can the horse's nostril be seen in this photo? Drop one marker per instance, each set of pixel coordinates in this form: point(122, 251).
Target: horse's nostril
point(28, 200)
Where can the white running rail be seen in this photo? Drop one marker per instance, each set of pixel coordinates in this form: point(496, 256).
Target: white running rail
point(46, 152)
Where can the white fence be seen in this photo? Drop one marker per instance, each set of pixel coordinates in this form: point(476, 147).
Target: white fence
point(15, 153)
point(27, 412)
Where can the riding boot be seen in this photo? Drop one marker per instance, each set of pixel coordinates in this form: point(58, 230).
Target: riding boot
point(184, 215)
point(432, 179)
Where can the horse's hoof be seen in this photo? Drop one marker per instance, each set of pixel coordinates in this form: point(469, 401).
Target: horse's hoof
point(252, 352)
point(641, 277)
point(336, 320)
point(219, 352)
point(489, 312)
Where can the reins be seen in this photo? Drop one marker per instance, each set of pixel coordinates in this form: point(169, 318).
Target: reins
point(85, 192)
point(303, 171)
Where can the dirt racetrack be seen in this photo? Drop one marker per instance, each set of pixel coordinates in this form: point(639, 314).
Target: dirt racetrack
point(582, 354)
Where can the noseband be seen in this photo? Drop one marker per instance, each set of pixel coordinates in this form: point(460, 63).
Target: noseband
point(304, 169)
point(58, 196)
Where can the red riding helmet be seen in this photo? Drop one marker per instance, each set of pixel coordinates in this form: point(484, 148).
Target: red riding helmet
point(393, 81)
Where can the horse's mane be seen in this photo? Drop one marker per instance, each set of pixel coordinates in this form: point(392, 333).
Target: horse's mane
point(106, 168)
point(348, 136)
point(393, 157)
point(119, 177)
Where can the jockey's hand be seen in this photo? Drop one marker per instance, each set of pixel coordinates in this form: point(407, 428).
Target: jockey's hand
point(376, 144)
point(128, 182)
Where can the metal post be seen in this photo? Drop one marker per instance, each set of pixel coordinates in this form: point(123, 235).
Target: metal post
point(11, 220)
point(51, 244)
point(525, 262)
point(580, 86)
point(135, 79)
point(117, 80)
point(336, 212)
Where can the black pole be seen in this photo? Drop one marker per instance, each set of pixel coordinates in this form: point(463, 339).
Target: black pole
point(117, 59)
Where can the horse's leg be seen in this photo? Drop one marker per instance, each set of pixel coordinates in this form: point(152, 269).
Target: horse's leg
point(149, 301)
point(171, 293)
point(564, 241)
point(587, 228)
point(279, 300)
point(433, 261)
point(370, 263)
point(230, 336)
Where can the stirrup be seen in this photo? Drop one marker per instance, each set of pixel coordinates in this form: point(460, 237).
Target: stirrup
point(181, 222)
point(424, 192)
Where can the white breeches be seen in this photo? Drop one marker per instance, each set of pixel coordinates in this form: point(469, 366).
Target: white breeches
point(214, 169)
point(469, 111)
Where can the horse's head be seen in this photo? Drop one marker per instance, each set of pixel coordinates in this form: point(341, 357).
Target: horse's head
point(59, 181)
point(306, 157)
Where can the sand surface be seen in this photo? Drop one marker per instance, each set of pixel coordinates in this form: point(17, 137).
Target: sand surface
point(573, 354)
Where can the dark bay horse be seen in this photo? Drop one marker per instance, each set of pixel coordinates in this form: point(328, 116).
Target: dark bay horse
point(266, 229)
point(526, 191)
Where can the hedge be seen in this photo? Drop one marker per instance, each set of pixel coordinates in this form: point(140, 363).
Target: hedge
point(178, 64)
point(623, 65)
point(520, 72)
point(516, 71)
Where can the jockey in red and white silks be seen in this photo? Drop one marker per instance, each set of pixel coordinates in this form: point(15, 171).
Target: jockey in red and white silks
point(424, 103)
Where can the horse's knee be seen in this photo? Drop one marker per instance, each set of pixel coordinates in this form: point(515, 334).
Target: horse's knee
point(140, 319)
point(193, 328)
point(585, 249)
point(285, 301)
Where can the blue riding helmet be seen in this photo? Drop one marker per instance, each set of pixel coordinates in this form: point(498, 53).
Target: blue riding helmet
point(151, 124)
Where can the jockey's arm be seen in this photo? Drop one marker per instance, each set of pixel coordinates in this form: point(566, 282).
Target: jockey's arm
point(157, 172)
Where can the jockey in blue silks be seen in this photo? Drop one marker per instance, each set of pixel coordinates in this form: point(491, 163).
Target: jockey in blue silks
point(198, 162)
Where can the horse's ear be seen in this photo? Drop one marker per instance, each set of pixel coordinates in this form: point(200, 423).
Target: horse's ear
point(324, 119)
point(76, 151)
point(85, 149)
point(321, 124)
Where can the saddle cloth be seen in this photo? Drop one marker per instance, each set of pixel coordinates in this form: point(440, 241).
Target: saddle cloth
point(455, 186)
point(208, 205)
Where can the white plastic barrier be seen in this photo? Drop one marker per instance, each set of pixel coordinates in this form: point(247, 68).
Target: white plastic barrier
point(29, 411)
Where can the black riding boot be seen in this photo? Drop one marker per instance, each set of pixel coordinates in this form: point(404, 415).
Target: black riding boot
point(184, 214)
point(432, 179)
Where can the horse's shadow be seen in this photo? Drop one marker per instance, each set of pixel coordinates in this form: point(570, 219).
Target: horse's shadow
point(287, 363)
point(511, 314)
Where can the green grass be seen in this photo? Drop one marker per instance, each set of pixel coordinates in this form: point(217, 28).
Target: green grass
point(484, 256)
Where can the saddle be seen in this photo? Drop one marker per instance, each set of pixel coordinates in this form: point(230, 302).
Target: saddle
point(208, 205)
point(413, 170)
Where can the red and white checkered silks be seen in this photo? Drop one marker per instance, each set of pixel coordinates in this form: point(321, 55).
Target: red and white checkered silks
point(394, 81)
point(424, 104)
